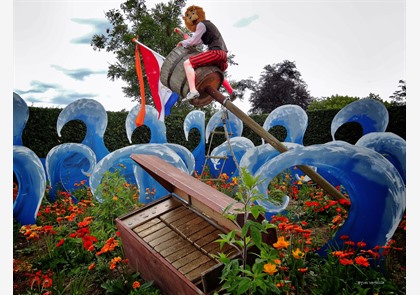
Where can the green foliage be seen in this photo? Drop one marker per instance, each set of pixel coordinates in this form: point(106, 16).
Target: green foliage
point(238, 277)
point(335, 102)
point(117, 197)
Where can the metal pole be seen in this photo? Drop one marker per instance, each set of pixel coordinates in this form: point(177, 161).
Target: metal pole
point(322, 182)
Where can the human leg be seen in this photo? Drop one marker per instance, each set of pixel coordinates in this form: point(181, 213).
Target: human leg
point(190, 74)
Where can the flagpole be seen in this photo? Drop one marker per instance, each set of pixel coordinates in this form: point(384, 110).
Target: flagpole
point(135, 41)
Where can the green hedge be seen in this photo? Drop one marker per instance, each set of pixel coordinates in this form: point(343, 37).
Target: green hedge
point(40, 133)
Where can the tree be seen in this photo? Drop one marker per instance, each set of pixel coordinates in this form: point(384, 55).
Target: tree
point(398, 98)
point(279, 84)
point(154, 28)
point(336, 102)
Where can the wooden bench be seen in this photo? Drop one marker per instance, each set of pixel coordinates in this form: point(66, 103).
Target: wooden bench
point(172, 240)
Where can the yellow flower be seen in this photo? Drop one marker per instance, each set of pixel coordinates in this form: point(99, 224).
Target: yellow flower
point(297, 253)
point(281, 243)
point(270, 268)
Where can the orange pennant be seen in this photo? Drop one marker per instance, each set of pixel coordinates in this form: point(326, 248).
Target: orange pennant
point(142, 111)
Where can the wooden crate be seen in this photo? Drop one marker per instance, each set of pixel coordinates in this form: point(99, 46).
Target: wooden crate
point(172, 244)
point(171, 241)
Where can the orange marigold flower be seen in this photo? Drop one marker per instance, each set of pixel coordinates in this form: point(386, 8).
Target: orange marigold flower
point(337, 218)
point(281, 243)
point(277, 261)
point(270, 268)
point(116, 259)
point(363, 261)
point(297, 254)
point(337, 253)
point(136, 285)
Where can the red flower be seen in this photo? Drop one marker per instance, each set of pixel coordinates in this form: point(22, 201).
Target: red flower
point(360, 260)
point(345, 261)
point(361, 244)
point(61, 242)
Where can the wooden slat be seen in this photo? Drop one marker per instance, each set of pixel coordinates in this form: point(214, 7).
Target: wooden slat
point(147, 224)
point(191, 230)
point(191, 224)
point(142, 216)
point(149, 230)
point(160, 237)
point(173, 215)
point(194, 264)
point(189, 258)
point(183, 219)
point(209, 238)
point(169, 243)
point(198, 235)
point(175, 248)
point(183, 251)
point(195, 274)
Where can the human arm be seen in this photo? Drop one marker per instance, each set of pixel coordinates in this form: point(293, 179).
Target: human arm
point(195, 39)
point(178, 31)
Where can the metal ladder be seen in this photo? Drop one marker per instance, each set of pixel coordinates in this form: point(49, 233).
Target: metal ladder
point(227, 134)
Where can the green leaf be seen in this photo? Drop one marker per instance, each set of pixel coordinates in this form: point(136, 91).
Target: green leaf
point(256, 236)
point(244, 286)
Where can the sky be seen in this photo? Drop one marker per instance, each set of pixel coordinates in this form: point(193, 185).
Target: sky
point(340, 47)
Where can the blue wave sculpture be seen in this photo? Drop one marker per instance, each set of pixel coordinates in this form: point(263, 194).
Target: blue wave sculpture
point(157, 128)
point(185, 155)
point(68, 164)
point(254, 158)
point(375, 188)
point(20, 118)
point(32, 182)
point(234, 125)
point(196, 119)
point(120, 159)
point(94, 115)
point(293, 118)
point(240, 145)
point(371, 114)
point(389, 145)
